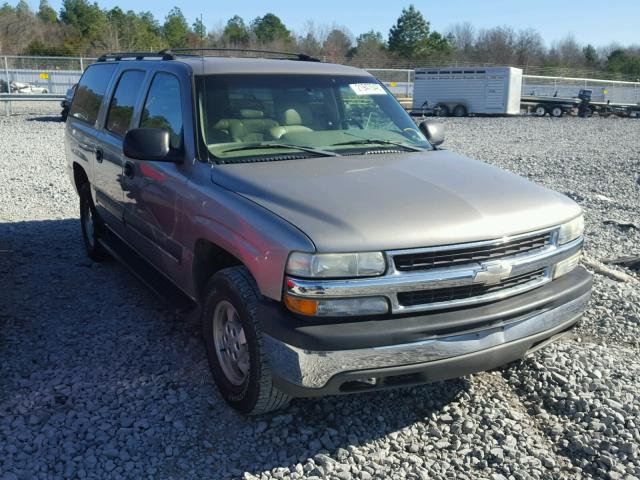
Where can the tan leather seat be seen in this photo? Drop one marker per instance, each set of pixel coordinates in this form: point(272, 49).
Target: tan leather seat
point(250, 127)
point(293, 120)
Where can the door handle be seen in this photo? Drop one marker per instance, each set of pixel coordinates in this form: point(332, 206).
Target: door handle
point(99, 155)
point(129, 169)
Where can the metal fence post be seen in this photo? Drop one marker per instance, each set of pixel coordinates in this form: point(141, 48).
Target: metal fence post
point(81, 65)
point(7, 104)
point(408, 82)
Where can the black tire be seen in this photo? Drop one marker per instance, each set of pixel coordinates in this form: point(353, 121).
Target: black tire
point(257, 393)
point(556, 111)
point(540, 110)
point(64, 114)
point(91, 228)
point(442, 110)
point(460, 111)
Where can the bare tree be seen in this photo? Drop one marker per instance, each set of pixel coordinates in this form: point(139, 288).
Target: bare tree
point(463, 37)
point(496, 45)
point(566, 53)
point(530, 49)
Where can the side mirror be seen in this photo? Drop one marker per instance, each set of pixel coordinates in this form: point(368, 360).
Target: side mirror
point(149, 144)
point(433, 131)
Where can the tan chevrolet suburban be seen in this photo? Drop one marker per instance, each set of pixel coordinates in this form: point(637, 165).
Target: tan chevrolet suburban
point(331, 245)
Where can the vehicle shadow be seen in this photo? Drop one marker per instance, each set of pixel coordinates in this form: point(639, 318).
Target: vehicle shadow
point(89, 341)
point(46, 118)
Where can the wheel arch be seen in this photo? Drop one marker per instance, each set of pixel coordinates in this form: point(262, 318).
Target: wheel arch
point(209, 258)
point(80, 176)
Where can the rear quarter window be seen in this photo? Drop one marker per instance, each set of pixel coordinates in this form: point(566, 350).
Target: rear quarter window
point(90, 92)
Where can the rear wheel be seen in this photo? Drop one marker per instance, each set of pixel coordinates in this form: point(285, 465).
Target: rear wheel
point(540, 111)
point(556, 111)
point(234, 343)
point(91, 225)
point(460, 111)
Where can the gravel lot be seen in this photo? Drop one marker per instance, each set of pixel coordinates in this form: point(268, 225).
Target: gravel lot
point(99, 379)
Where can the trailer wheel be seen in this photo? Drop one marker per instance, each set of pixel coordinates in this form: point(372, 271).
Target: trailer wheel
point(556, 111)
point(442, 110)
point(460, 111)
point(540, 110)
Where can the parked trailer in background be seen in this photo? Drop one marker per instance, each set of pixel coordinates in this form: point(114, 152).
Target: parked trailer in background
point(467, 91)
point(557, 96)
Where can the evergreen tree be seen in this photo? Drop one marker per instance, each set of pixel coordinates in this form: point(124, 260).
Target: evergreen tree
point(590, 56)
point(236, 32)
point(199, 29)
point(270, 28)
point(175, 28)
point(411, 36)
point(46, 13)
point(22, 8)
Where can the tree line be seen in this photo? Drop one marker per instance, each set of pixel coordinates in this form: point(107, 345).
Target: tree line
point(84, 28)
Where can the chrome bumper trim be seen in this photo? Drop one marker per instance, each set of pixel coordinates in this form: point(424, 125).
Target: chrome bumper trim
point(313, 369)
point(394, 281)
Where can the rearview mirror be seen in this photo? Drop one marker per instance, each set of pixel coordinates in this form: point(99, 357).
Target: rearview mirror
point(149, 144)
point(434, 132)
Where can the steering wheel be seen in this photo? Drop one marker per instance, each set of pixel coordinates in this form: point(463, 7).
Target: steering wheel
point(354, 121)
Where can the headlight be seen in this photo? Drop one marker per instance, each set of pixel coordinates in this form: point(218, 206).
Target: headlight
point(338, 307)
point(566, 265)
point(571, 230)
point(336, 265)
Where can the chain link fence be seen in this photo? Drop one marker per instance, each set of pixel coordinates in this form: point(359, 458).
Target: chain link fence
point(54, 75)
point(398, 81)
point(40, 74)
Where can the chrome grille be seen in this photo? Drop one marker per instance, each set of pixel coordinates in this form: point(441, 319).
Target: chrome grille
point(437, 295)
point(446, 258)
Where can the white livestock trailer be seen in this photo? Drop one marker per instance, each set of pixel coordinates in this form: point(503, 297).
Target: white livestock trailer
point(461, 91)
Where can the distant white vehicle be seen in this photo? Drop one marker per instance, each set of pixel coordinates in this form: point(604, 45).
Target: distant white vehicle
point(467, 91)
point(20, 87)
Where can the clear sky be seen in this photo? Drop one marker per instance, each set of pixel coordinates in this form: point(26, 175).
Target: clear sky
point(599, 22)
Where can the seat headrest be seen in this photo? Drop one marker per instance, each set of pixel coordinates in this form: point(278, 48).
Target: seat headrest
point(249, 113)
point(296, 115)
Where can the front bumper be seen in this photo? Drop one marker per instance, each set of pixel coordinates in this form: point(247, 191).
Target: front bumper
point(493, 335)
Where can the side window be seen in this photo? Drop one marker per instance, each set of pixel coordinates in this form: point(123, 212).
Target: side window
point(162, 108)
point(124, 101)
point(90, 92)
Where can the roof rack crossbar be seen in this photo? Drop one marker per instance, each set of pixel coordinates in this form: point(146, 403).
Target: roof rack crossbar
point(183, 51)
point(115, 56)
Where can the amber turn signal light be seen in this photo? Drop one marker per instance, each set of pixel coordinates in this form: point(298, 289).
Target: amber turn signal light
point(301, 305)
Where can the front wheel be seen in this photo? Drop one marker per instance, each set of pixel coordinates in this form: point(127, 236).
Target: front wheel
point(540, 111)
point(91, 225)
point(234, 343)
point(442, 110)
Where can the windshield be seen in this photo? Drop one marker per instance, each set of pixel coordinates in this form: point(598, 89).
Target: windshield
point(280, 116)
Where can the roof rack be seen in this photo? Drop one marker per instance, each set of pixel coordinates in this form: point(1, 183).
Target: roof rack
point(303, 57)
point(162, 55)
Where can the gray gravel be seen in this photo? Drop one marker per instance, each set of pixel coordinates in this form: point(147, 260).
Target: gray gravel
point(98, 379)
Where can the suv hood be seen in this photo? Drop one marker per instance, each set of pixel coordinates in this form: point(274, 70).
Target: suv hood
point(396, 201)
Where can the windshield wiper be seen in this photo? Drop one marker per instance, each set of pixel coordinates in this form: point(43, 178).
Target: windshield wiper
point(377, 141)
point(258, 146)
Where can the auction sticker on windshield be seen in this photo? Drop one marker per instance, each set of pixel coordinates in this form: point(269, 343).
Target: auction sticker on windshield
point(367, 89)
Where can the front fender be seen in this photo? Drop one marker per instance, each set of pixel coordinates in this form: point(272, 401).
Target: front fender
point(261, 240)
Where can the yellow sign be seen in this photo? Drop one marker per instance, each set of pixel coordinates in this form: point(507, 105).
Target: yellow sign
point(606, 92)
point(44, 76)
point(394, 84)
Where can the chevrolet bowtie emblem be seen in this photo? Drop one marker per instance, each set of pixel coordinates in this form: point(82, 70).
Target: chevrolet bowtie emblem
point(492, 273)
